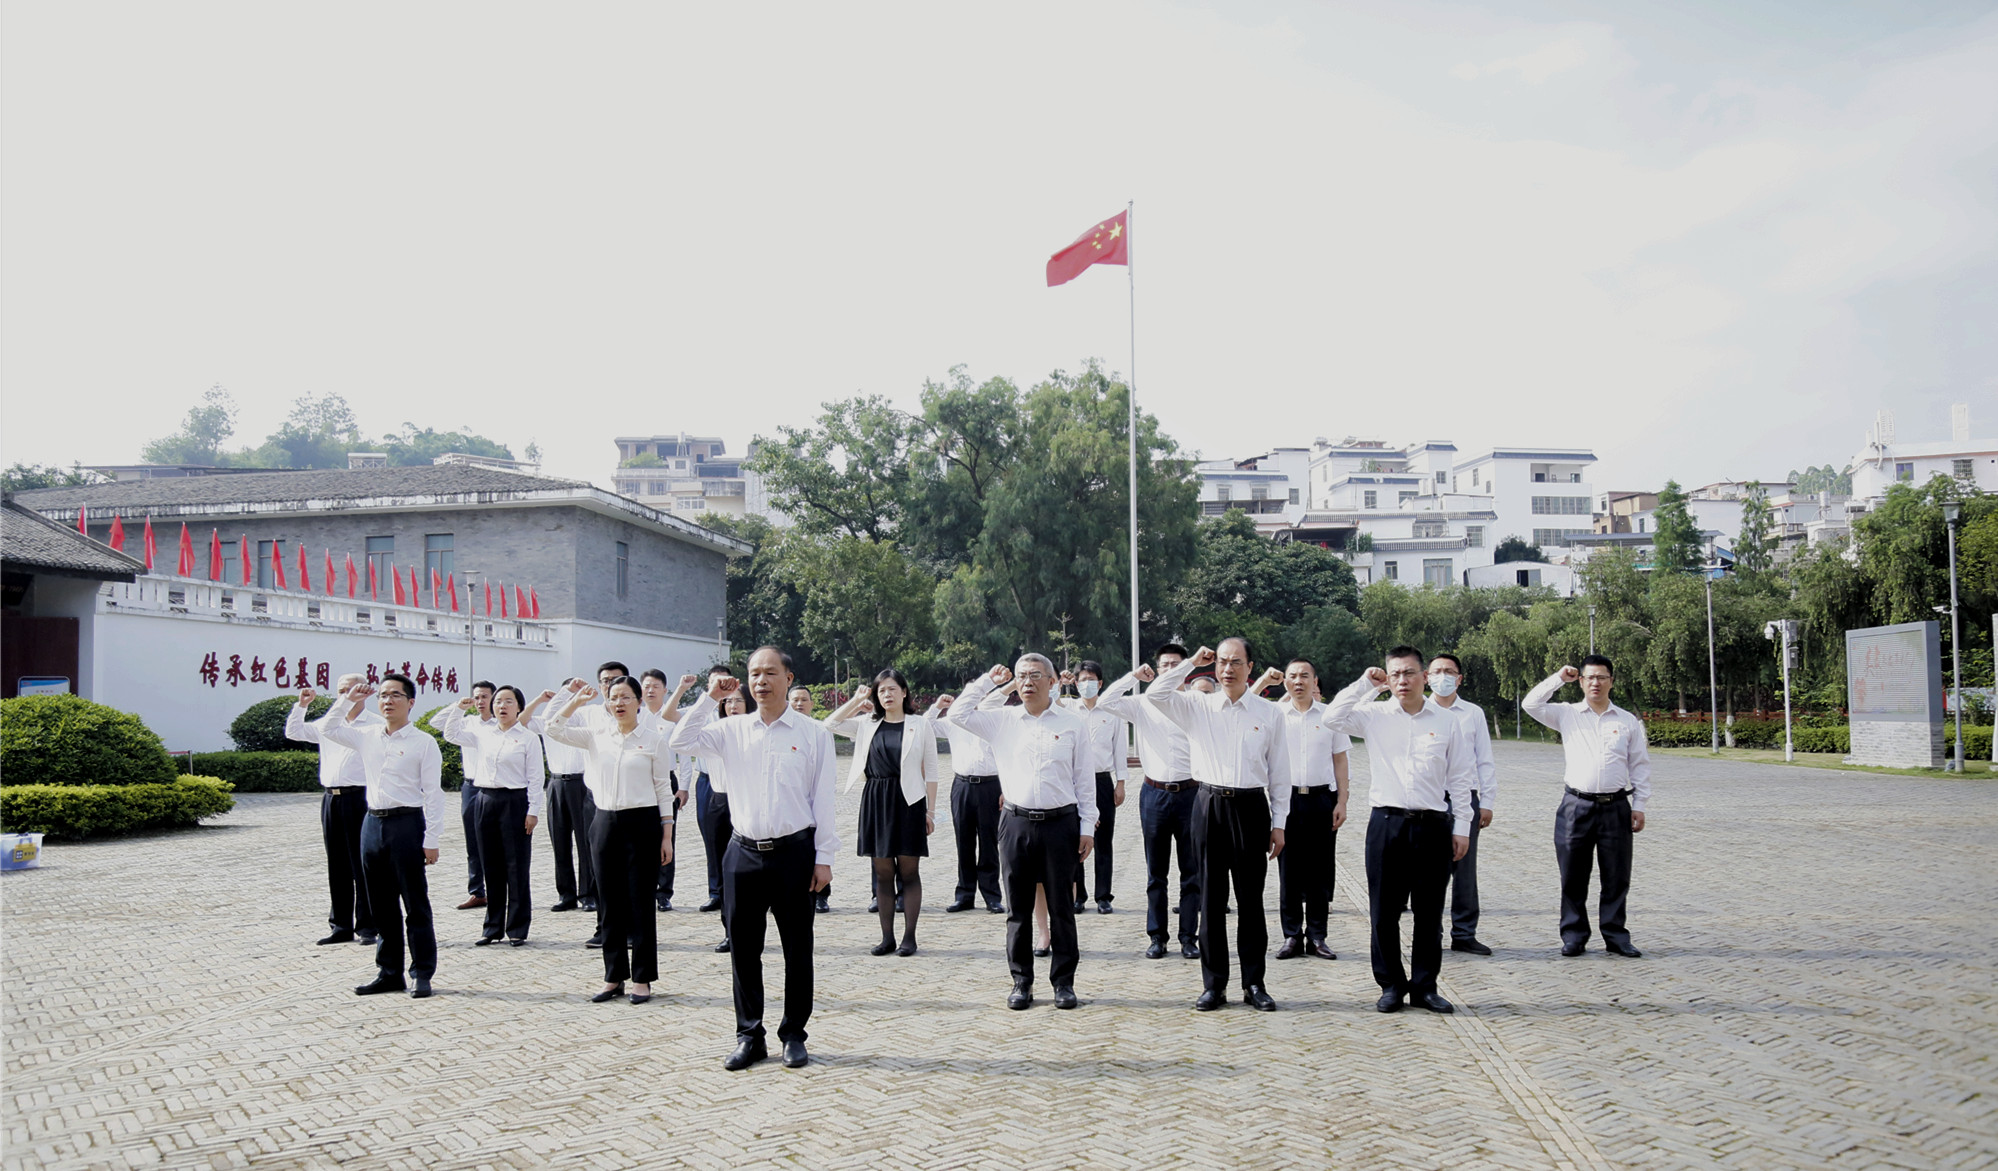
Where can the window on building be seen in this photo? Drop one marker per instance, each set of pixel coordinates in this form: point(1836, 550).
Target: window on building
point(1641, 522)
point(1557, 536)
point(1442, 477)
point(1436, 571)
point(679, 465)
point(623, 569)
point(1474, 477)
point(1904, 472)
point(656, 488)
point(1574, 477)
point(1474, 536)
point(1431, 529)
point(1370, 499)
point(1259, 492)
point(232, 565)
point(265, 551)
point(1960, 468)
point(381, 555)
point(438, 555)
point(1560, 505)
point(1293, 496)
point(1391, 571)
point(1222, 492)
point(1404, 497)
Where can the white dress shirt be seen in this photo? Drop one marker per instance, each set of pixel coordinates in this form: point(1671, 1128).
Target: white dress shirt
point(469, 762)
point(1043, 763)
point(1163, 750)
point(509, 758)
point(1104, 736)
point(781, 772)
point(1237, 743)
point(1606, 753)
point(339, 767)
point(1415, 760)
point(405, 768)
point(918, 761)
point(1312, 742)
point(1480, 734)
point(627, 770)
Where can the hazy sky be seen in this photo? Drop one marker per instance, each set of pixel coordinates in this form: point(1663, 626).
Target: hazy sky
point(1706, 239)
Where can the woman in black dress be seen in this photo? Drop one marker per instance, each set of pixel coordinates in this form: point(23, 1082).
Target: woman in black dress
point(896, 752)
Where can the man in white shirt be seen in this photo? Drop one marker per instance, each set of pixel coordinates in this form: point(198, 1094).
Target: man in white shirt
point(1305, 869)
point(801, 701)
point(1243, 764)
point(343, 810)
point(1107, 740)
point(406, 810)
point(1049, 820)
point(711, 818)
point(974, 815)
point(468, 768)
point(1420, 823)
point(1446, 676)
point(1608, 786)
point(780, 767)
point(1165, 805)
point(658, 707)
point(571, 809)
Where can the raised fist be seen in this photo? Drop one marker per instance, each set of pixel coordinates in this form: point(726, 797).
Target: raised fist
point(544, 697)
point(1377, 677)
point(1271, 678)
point(1068, 678)
point(687, 681)
point(862, 693)
point(1145, 673)
point(589, 691)
point(467, 704)
point(361, 691)
point(1203, 657)
point(943, 703)
point(306, 697)
point(1569, 674)
point(723, 687)
point(1002, 675)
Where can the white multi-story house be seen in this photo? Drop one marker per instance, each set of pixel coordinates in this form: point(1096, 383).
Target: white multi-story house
point(1885, 461)
point(689, 476)
point(1540, 494)
point(1270, 487)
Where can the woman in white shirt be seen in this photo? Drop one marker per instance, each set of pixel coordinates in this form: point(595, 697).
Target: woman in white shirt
point(896, 752)
point(632, 783)
point(506, 807)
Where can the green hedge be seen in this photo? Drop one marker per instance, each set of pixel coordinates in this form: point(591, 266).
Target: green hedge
point(1976, 739)
point(68, 740)
point(261, 772)
point(1837, 740)
point(1765, 733)
point(454, 758)
point(261, 726)
point(82, 811)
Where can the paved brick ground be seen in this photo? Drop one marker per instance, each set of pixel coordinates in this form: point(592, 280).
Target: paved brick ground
point(1817, 991)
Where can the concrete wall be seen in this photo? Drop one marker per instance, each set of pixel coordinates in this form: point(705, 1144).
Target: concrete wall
point(1897, 744)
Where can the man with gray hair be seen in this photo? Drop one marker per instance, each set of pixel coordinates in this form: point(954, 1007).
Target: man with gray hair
point(1049, 820)
point(343, 808)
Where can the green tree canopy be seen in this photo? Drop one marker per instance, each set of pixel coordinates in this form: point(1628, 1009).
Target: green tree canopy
point(1516, 548)
point(208, 425)
point(1677, 540)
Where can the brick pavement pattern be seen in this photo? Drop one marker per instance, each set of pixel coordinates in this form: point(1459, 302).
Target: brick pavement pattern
point(1817, 991)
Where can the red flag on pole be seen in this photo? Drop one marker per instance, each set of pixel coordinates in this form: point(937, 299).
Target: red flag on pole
point(186, 568)
point(533, 603)
point(374, 584)
point(436, 587)
point(519, 602)
point(1106, 243)
point(502, 599)
point(117, 538)
point(353, 579)
point(151, 548)
point(451, 587)
point(214, 554)
point(277, 566)
point(243, 555)
point(304, 570)
point(83, 525)
point(332, 580)
point(489, 598)
point(396, 576)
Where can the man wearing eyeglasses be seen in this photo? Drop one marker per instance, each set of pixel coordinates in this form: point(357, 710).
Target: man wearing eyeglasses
point(1608, 783)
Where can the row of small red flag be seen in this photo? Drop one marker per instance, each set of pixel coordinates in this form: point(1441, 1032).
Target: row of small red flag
point(526, 602)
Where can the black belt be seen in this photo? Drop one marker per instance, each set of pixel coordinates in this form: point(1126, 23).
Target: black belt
point(1041, 814)
point(1307, 790)
point(1169, 786)
point(501, 790)
point(395, 811)
point(976, 778)
point(1600, 798)
point(765, 845)
point(567, 776)
point(1228, 791)
point(346, 790)
point(1420, 814)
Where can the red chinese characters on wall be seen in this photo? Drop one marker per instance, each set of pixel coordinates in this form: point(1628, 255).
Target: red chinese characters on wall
point(302, 672)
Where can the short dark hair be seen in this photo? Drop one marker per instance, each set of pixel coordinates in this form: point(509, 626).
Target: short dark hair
point(1599, 661)
point(889, 675)
point(485, 683)
point(1454, 660)
point(408, 687)
point(652, 673)
point(1090, 667)
point(783, 656)
point(519, 696)
point(637, 692)
point(1404, 651)
point(1296, 659)
point(719, 669)
point(1173, 648)
point(622, 670)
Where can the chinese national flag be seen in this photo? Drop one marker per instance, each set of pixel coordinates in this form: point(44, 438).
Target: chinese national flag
point(533, 603)
point(489, 598)
point(186, 552)
point(502, 599)
point(304, 570)
point(353, 579)
point(214, 554)
point(117, 537)
point(243, 555)
point(396, 575)
point(1106, 243)
point(451, 587)
point(331, 579)
point(152, 548)
point(277, 565)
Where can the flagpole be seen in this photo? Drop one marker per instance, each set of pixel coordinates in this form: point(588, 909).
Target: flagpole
point(1131, 273)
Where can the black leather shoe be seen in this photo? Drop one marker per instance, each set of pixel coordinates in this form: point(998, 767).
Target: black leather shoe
point(1573, 949)
point(1021, 997)
point(596, 940)
point(564, 905)
point(665, 904)
point(1044, 952)
point(1103, 907)
point(908, 948)
point(485, 941)
point(795, 1056)
point(516, 943)
point(384, 982)
point(746, 1054)
point(1081, 905)
point(1390, 1001)
point(1431, 1001)
point(338, 937)
point(1622, 949)
point(608, 994)
point(1189, 949)
point(1319, 951)
point(1293, 947)
point(640, 997)
point(873, 906)
point(722, 948)
point(882, 948)
point(367, 938)
point(589, 904)
point(422, 989)
point(996, 908)
point(820, 906)
point(1470, 945)
point(1065, 997)
point(898, 903)
point(713, 904)
point(959, 905)
point(1254, 996)
point(1156, 951)
point(1210, 1000)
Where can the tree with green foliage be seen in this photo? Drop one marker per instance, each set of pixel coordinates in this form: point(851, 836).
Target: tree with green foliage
point(415, 446)
point(866, 595)
point(1676, 541)
point(848, 473)
point(1238, 572)
point(1336, 642)
point(22, 477)
point(1813, 480)
point(1755, 548)
point(763, 604)
point(202, 433)
point(1516, 548)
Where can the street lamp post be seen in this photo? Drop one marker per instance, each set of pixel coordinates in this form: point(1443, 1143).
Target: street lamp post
point(1713, 673)
point(471, 636)
point(1592, 630)
point(1952, 516)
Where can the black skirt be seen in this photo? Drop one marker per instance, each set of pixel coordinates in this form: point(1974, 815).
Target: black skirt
point(890, 826)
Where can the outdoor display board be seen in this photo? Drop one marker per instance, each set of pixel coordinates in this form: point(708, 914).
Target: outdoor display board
point(1894, 695)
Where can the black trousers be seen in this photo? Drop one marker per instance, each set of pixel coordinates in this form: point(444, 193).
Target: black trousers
point(1583, 828)
point(571, 809)
point(1039, 853)
point(974, 818)
point(392, 865)
point(1100, 854)
point(759, 885)
point(1408, 864)
point(501, 819)
point(1232, 833)
point(475, 867)
point(714, 833)
point(1305, 869)
point(625, 846)
point(665, 888)
point(1464, 881)
point(1166, 820)
point(341, 816)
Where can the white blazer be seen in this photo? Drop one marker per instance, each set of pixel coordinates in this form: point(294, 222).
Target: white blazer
point(919, 752)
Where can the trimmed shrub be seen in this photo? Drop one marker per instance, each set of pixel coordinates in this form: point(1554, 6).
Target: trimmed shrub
point(82, 811)
point(1976, 739)
point(454, 758)
point(1837, 740)
point(68, 740)
point(1677, 734)
point(261, 772)
point(261, 726)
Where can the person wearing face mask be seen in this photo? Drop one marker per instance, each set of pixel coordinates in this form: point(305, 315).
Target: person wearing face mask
point(1446, 677)
point(1105, 739)
point(506, 808)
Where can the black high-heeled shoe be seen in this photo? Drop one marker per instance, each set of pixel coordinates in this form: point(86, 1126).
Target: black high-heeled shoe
point(608, 994)
point(641, 997)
